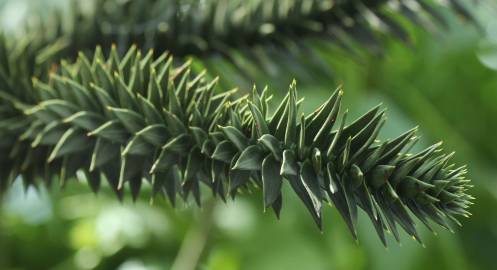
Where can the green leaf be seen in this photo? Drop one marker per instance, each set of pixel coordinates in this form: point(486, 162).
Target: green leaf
point(291, 128)
point(103, 97)
point(289, 166)
point(130, 170)
point(126, 98)
point(299, 189)
point(193, 165)
point(272, 144)
point(155, 135)
point(380, 175)
point(173, 123)
point(331, 152)
point(152, 116)
point(93, 179)
point(199, 135)
point(50, 135)
point(164, 162)
point(135, 184)
point(250, 159)
point(278, 114)
point(103, 153)
point(112, 130)
point(225, 151)
point(179, 144)
point(261, 124)
point(60, 107)
point(311, 184)
point(85, 120)
point(356, 126)
point(236, 137)
point(271, 180)
point(172, 182)
point(237, 178)
point(324, 120)
point(336, 193)
point(72, 141)
point(132, 121)
point(356, 176)
point(83, 96)
point(395, 146)
point(138, 146)
point(174, 103)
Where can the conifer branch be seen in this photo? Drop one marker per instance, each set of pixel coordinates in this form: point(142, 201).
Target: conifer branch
point(218, 26)
point(137, 118)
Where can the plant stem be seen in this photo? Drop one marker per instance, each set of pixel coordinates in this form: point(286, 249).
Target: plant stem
point(195, 240)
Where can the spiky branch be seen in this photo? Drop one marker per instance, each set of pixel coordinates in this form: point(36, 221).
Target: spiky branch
point(139, 118)
point(216, 27)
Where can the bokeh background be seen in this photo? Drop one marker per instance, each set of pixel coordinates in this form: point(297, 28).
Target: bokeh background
point(445, 82)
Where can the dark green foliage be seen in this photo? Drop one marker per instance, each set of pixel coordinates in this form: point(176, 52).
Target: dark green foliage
point(20, 61)
point(230, 27)
point(140, 118)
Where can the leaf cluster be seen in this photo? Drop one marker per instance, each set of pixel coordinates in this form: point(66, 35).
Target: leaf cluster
point(144, 119)
point(254, 28)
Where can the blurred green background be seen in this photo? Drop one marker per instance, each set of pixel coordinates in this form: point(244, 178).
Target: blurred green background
point(446, 83)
